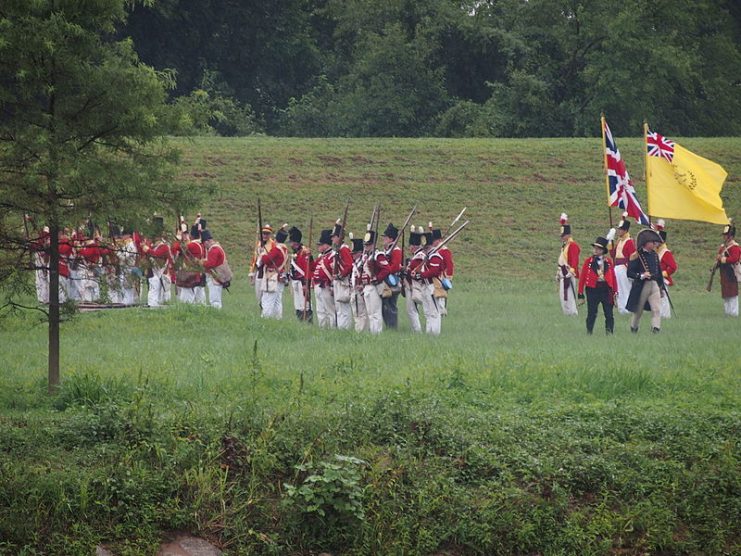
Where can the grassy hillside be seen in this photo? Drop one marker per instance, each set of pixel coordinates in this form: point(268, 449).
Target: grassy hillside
point(511, 433)
point(515, 191)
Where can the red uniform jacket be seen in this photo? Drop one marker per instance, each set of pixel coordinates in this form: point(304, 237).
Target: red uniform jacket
point(433, 267)
point(322, 271)
point(449, 267)
point(343, 264)
point(214, 257)
point(275, 258)
point(668, 266)
point(572, 257)
point(301, 267)
point(628, 248)
point(375, 268)
point(65, 252)
point(394, 259)
point(589, 277)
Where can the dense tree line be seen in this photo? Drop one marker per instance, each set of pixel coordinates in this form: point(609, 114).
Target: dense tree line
point(447, 67)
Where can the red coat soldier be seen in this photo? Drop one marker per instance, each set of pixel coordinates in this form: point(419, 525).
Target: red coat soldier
point(597, 278)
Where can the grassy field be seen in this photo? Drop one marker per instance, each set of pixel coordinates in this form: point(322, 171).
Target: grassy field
point(512, 433)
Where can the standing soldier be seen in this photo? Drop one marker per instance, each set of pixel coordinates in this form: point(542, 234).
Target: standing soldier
point(272, 265)
point(90, 255)
point(159, 258)
point(127, 254)
point(415, 289)
point(262, 246)
point(668, 267)
point(623, 249)
point(39, 247)
point(357, 301)
point(567, 273)
point(299, 274)
point(440, 288)
point(218, 273)
point(341, 265)
point(390, 294)
point(729, 255)
point(446, 278)
point(598, 277)
point(189, 276)
point(373, 273)
point(430, 268)
point(322, 280)
point(648, 282)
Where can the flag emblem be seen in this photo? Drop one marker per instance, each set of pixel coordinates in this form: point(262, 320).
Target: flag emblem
point(621, 190)
point(660, 146)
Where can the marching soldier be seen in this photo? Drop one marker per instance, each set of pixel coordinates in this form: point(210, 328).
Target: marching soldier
point(430, 268)
point(415, 289)
point(390, 294)
point(301, 267)
point(322, 281)
point(272, 265)
point(341, 264)
point(264, 245)
point(567, 273)
point(127, 254)
point(597, 278)
point(729, 255)
point(440, 285)
point(90, 256)
point(357, 301)
point(216, 267)
point(189, 261)
point(648, 282)
point(668, 267)
point(159, 258)
point(621, 253)
point(446, 278)
point(374, 270)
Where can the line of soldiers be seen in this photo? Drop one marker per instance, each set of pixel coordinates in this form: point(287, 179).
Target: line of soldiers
point(634, 274)
point(93, 269)
point(355, 285)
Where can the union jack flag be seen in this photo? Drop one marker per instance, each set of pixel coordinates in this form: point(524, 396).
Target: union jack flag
point(659, 146)
point(622, 193)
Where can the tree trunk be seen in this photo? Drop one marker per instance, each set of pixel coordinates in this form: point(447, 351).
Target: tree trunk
point(53, 307)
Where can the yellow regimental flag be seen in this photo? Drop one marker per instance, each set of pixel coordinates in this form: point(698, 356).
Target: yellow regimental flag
point(681, 184)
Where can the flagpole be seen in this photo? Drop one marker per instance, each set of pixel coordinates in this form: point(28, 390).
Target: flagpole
point(645, 168)
point(604, 166)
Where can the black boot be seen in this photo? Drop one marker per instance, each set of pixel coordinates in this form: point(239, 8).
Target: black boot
point(655, 330)
point(634, 330)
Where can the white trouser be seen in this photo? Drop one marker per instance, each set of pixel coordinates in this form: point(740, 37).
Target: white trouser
point(159, 289)
point(297, 293)
point(344, 315)
point(199, 295)
point(258, 288)
point(413, 313)
point(42, 279)
point(129, 296)
point(666, 309)
point(214, 292)
point(63, 288)
point(73, 283)
point(432, 313)
point(374, 307)
point(325, 312)
point(359, 312)
point(115, 287)
point(730, 306)
point(187, 295)
point(272, 303)
point(623, 284)
point(568, 305)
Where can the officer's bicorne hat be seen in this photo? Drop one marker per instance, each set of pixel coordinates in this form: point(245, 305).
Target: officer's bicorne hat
point(729, 229)
point(660, 224)
point(646, 235)
point(565, 226)
point(325, 238)
point(337, 229)
point(206, 235)
point(415, 236)
point(294, 234)
point(624, 223)
point(391, 231)
point(282, 234)
point(357, 243)
point(601, 242)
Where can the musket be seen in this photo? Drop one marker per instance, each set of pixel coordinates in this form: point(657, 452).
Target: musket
point(342, 237)
point(259, 234)
point(307, 291)
point(401, 231)
point(454, 222)
point(713, 270)
point(403, 266)
point(447, 239)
